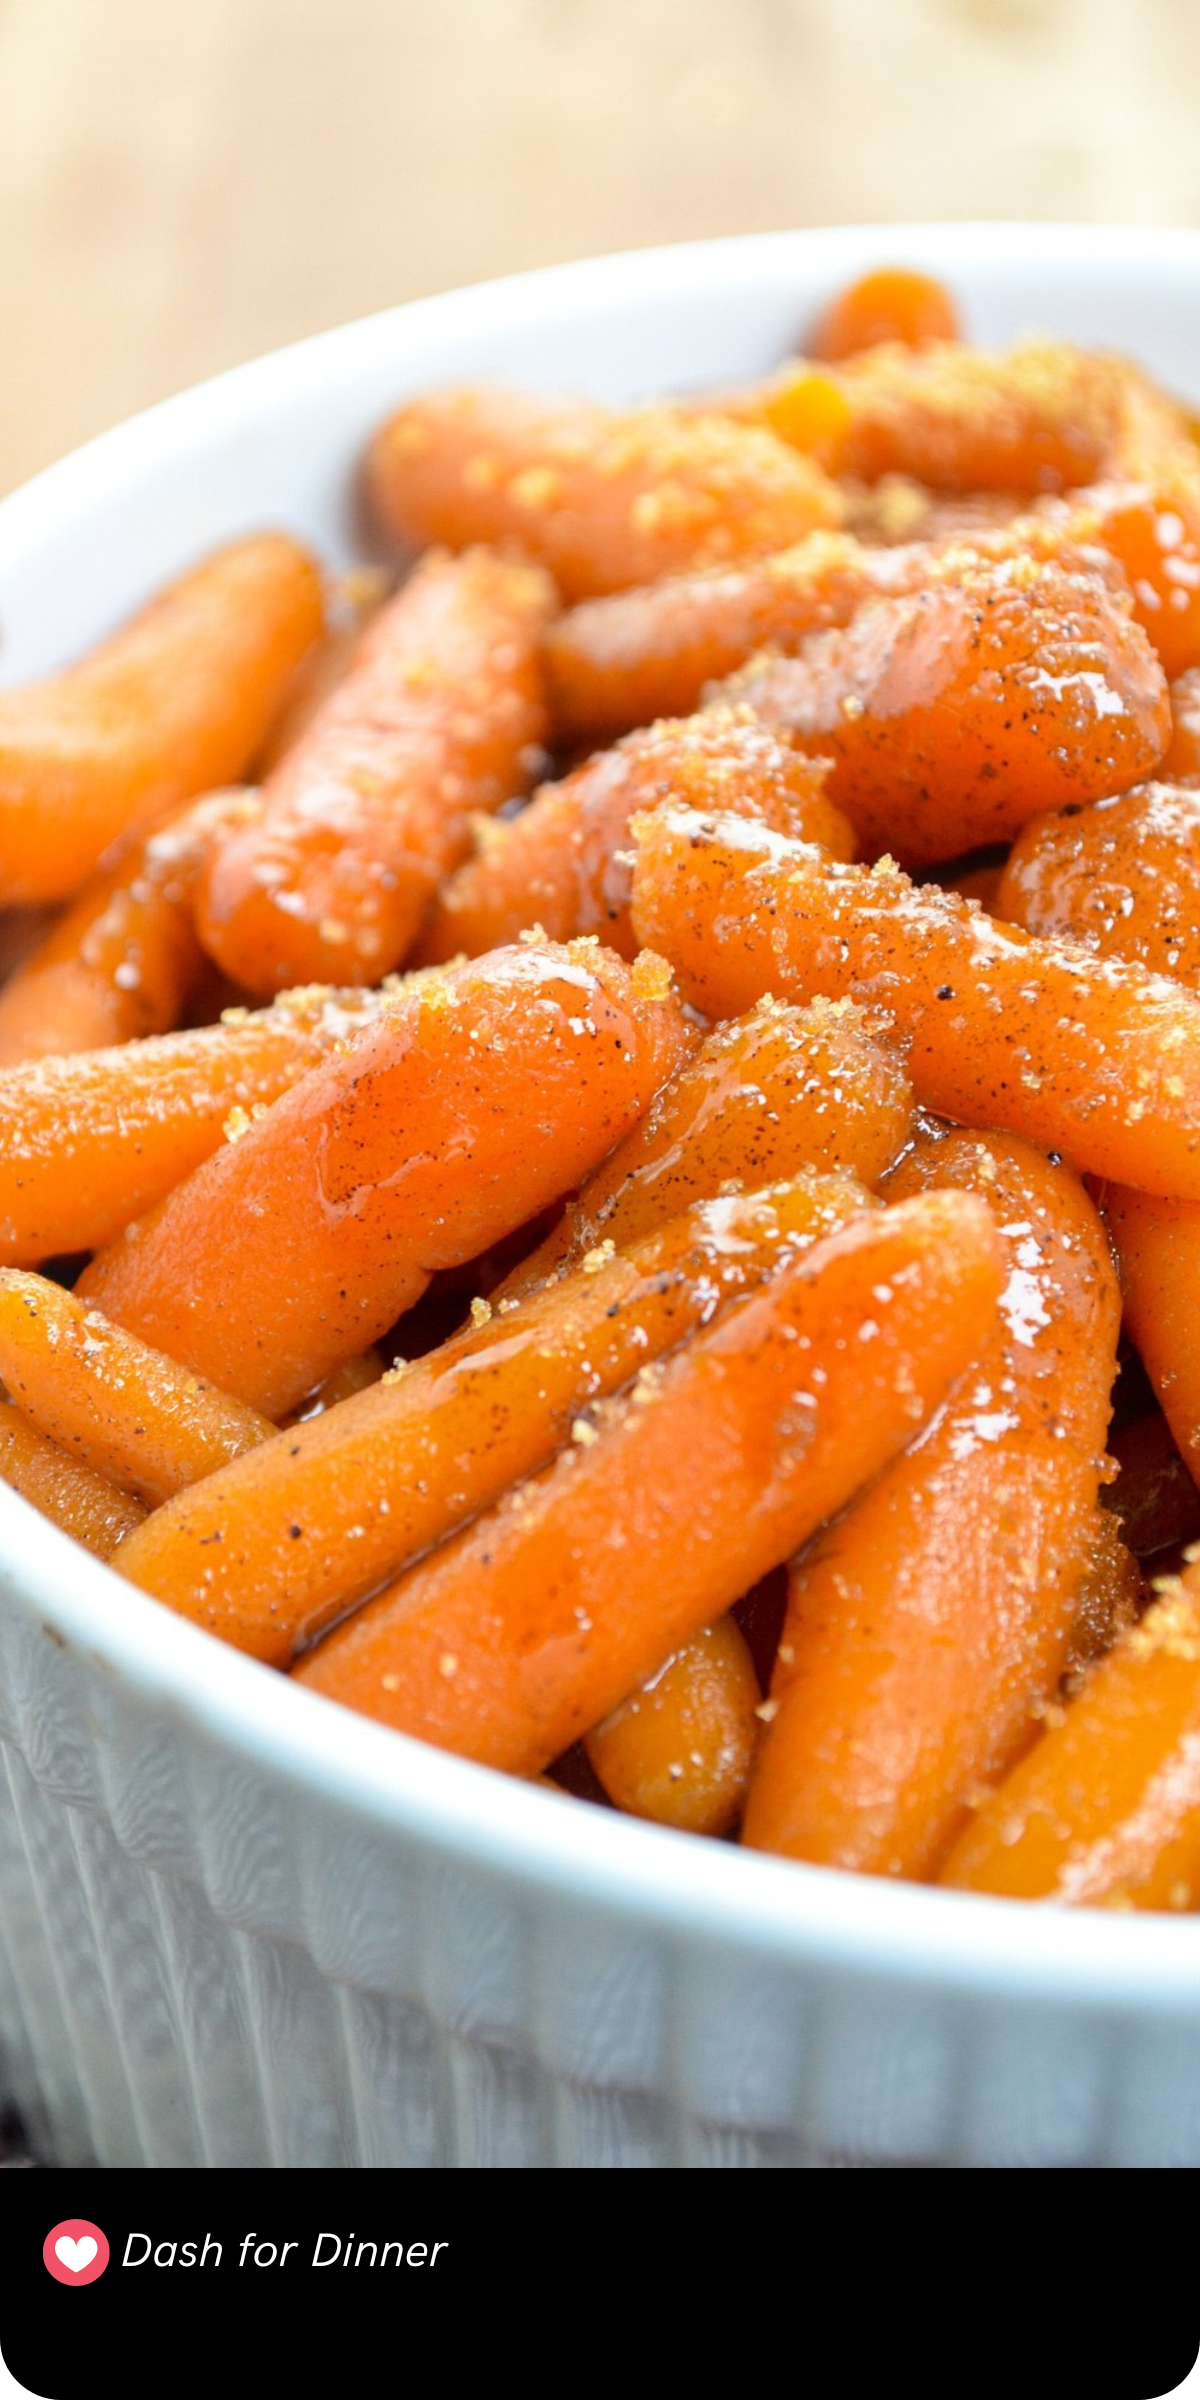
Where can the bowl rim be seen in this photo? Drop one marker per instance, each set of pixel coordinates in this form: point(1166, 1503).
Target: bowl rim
point(775, 1910)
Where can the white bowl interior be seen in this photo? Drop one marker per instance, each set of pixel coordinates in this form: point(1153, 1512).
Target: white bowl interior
point(277, 442)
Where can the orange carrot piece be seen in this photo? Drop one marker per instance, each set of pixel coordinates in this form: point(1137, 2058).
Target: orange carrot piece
point(1106, 1810)
point(1154, 1498)
point(1182, 761)
point(174, 704)
point(604, 498)
point(888, 304)
point(955, 714)
point(127, 1412)
point(681, 1750)
point(475, 1099)
point(1040, 417)
point(1122, 876)
point(927, 1627)
point(80, 1502)
point(528, 1628)
point(122, 959)
point(632, 656)
point(565, 863)
point(1093, 1057)
point(771, 1095)
point(351, 602)
point(440, 715)
point(266, 1552)
point(1158, 1251)
point(89, 1143)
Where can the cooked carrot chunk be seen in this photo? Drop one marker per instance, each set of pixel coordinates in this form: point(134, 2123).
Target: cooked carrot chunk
point(1122, 876)
point(74, 1498)
point(528, 1628)
point(680, 1751)
point(1106, 1810)
point(475, 1099)
point(888, 304)
point(439, 716)
point(566, 864)
point(1090, 1056)
point(604, 498)
point(178, 701)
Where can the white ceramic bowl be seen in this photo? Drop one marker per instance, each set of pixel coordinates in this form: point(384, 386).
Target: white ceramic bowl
point(239, 1926)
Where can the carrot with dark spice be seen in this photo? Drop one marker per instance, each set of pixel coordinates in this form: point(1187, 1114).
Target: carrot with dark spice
point(267, 1551)
point(1092, 1057)
point(177, 702)
point(531, 1626)
point(71, 1495)
point(475, 1098)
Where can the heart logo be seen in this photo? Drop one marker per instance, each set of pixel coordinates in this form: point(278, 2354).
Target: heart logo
point(75, 2255)
point(75, 2252)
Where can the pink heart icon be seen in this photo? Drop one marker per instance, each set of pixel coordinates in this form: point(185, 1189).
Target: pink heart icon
point(75, 2254)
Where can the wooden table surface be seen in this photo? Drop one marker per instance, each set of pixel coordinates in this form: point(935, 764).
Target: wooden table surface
point(184, 183)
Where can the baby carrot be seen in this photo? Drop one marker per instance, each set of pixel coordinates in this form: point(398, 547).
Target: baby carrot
point(771, 1094)
point(565, 863)
point(351, 602)
point(888, 304)
point(473, 1101)
point(439, 716)
point(604, 498)
point(122, 958)
point(176, 703)
point(1090, 1056)
point(1122, 876)
point(632, 656)
point(1040, 417)
point(74, 1498)
point(1105, 1811)
point(266, 1552)
point(927, 1627)
point(134, 1416)
point(680, 1751)
point(89, 1143)
point(529, 1627)
point(954, 714)
point(1154, 1499)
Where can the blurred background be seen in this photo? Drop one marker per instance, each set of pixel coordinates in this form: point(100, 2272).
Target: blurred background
point(184, 183)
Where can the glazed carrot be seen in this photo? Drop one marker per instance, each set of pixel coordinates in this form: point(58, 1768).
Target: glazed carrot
point(127, 1412)
point(774, 1093)
point(926, 1627)
point(889, 304)
point(565, 863)
point(680, 1751)
point(1093, 1057)
point(533, 1624)
point(351, 602)
point(473, 1101)
point(1182, 761)
point(1106, 1809)
point(1154, 1498)
point(89, 1143)
point(1158, 1251)
point(439, 716)
point(955, 714)
point(80, 1502)
point(1122, 876)
point(1040, 417)
point(176, 703)
point(604, 498)
point(390, 1472)
point(122, 959)
point(632, 656)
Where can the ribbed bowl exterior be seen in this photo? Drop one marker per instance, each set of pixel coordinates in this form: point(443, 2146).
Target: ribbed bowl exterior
point(239, 1929)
